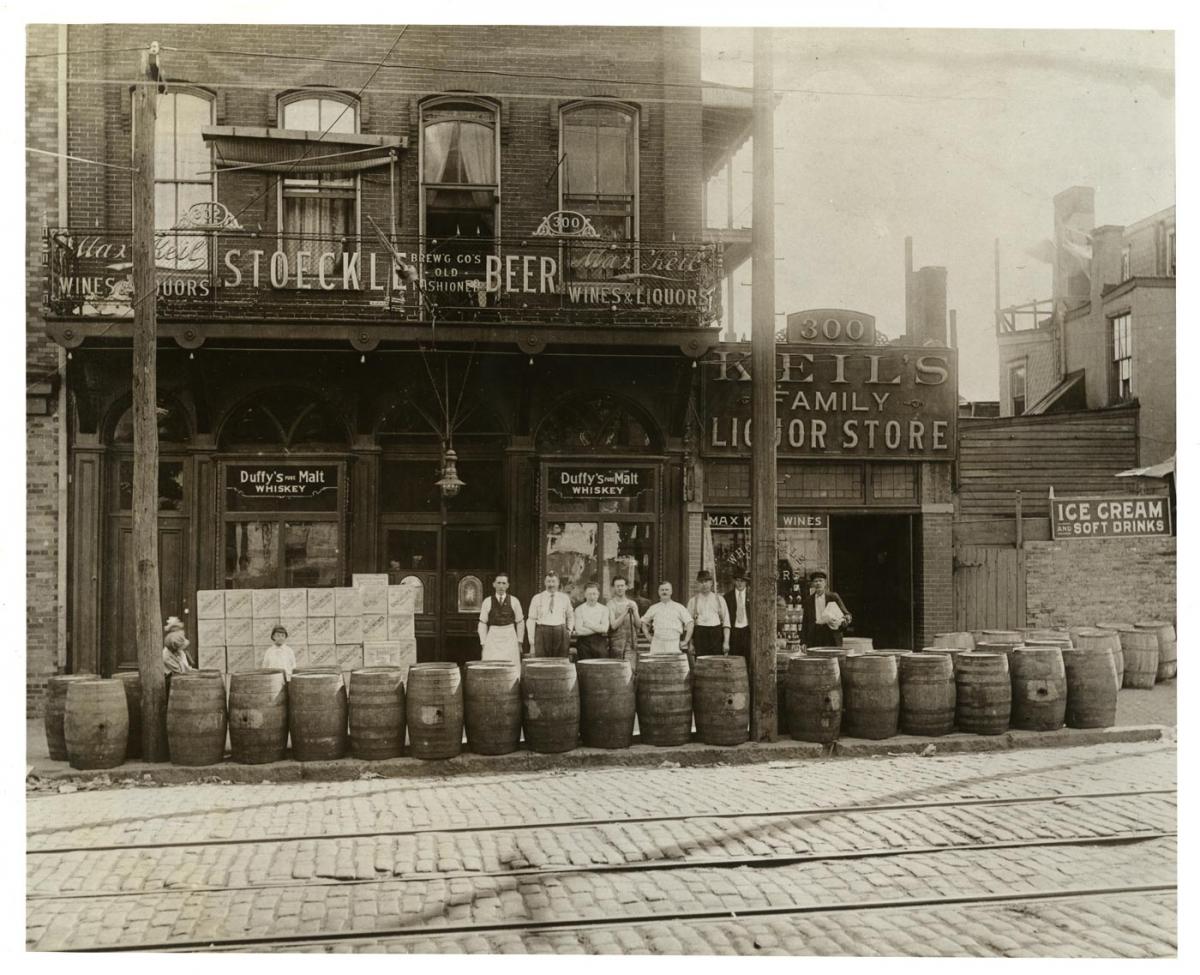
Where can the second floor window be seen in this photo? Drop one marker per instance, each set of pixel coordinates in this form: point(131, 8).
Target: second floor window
point(318, 211)
point(182, 177)
point(1122, 358)
point(1016, 388)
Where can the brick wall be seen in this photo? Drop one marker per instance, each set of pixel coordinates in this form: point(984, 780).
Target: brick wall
point(1099, 579)
point(41, 376)
point(936, 610)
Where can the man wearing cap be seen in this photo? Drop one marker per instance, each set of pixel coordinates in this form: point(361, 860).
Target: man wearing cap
point(738, 602)
point(175, 644)
point(817, 630)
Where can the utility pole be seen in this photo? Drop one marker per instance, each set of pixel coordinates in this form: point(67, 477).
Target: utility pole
point(763, 544)
point(147, 606)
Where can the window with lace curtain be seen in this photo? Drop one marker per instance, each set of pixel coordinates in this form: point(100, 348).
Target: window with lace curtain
point(182, 177)
point(319, 211)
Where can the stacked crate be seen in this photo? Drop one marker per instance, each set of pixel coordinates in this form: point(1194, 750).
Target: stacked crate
point(367, 624)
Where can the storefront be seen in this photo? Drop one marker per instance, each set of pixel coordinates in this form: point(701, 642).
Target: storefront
point(865, 437)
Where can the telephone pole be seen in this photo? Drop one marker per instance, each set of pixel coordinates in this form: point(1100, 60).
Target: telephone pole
point(763, 543)
point(147, 606)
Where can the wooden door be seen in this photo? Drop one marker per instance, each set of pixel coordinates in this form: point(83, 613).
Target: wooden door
point(989, 587)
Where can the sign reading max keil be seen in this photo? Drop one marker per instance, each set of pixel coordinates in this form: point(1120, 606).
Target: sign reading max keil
point(580, 483)
point(1111, 517)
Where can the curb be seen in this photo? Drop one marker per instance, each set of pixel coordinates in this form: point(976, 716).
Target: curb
point(638, 756)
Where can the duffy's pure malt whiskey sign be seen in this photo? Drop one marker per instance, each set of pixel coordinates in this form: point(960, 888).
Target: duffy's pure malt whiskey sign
point(882, 402)
point(281, 486)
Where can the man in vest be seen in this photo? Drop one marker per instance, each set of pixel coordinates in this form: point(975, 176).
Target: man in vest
point(501, 624)
point(738, 602)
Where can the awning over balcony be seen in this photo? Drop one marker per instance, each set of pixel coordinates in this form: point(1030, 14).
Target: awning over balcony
point(299, 152)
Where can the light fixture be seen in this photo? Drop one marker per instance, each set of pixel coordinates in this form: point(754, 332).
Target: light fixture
point(450, 483)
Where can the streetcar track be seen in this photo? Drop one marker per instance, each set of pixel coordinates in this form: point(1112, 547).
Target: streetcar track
point(570, 924)
point(524, 826)
point(711, 863)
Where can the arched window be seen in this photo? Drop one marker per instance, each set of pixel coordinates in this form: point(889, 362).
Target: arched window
point(182, 176)
point(319, 211)
point(595, 423)
point(286, 418)
point(174, 434)
point(598, 176)
point(460, 177)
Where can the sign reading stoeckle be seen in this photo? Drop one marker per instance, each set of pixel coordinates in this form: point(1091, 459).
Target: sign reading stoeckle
point(580, 483)
point(885, 402)
point(1111, 517)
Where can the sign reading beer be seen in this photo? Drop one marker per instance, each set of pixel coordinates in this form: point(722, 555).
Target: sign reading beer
point(257, 486)
point(585, 483)
point(884, 402)
point(1110, 517)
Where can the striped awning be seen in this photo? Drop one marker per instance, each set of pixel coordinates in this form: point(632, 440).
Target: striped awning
point(299, 153)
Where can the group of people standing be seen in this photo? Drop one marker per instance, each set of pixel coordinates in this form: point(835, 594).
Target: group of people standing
point(710, 623)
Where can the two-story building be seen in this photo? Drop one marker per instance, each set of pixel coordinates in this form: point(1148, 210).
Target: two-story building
point(430, 302)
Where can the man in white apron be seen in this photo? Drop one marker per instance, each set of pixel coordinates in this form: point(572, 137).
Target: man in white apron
point(501, 624)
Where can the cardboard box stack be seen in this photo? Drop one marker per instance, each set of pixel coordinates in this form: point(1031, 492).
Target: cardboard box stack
point(369, 623)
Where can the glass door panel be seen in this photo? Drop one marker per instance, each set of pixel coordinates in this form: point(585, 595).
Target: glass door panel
point(251, 554)
point(629, 552)
point(310, 553)
point(411, 550)
point(572, 550)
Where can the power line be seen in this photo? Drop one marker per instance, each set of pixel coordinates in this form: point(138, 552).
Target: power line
point(93, 162)
point(72, 54)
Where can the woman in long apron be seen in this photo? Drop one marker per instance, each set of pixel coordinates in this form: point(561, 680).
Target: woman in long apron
point(501, 624)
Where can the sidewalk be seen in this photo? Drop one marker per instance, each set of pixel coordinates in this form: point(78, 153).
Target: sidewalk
point(1142, 715)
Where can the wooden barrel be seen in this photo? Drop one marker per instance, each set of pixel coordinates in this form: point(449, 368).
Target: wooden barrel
point(1046, 634)
point(550, 705)
point(317, 706)
point(1006, 649)
point(95, 723)
point(954, 653)
point(1140, 648)
point(927, 694)
point(664, 699)
point(607, 703)
point(984, 693)
point(858, 644)
point(961, 639)
point(197, 720)
point(1074, 631)
point(871, 696)
point(1039, 688)
point(782, 664)
point(814, 697)
point(376, 713)
point(1167, 667)
point(1093, 638)
point(56, 709)
point(258, 716)
point(1002, 636)
point(131, 680)
point(721, 700)
point(1091, 693)
point(434, 711)
point(492, 706)
point(1115, 627)
point(891, 652)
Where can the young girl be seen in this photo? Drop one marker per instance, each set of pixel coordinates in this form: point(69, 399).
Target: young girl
point(280, 656)
point(175, 644)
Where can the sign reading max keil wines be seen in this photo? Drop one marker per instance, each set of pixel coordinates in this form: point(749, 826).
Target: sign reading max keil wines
point(583, 483)
point(831, 401)
point(1111, 517)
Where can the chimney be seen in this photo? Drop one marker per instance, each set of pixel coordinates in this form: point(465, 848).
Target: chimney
point(1107, 244)
point(1074, 218)
point(953, 329)
point(908, 289)
point(930, 301)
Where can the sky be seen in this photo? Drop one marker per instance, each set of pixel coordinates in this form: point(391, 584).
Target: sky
point(955, 138)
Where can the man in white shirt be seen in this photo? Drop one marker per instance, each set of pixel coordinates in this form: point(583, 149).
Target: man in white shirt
point(667, 624)
point(551, 620)
point(737, 600)
point(818, 629)
point(591, 625)
point(711, 616)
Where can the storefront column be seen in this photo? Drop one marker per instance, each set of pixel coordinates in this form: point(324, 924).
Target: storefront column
point(937, 572)
point(204, 513)
point(521, 528)
point(87, 494)
point(363, 472)
point(673, 538)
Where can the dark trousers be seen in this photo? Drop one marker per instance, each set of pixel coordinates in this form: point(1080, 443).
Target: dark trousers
point(739, 641)
point(592, 646)
point(551, 641)
point(708, 640)
point(825, 636)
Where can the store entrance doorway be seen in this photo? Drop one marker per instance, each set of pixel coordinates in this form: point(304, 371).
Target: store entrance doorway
point(872, 559)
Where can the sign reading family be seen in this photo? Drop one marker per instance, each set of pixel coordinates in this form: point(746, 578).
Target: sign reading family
point(584, 483)
point(882, 401)
point(1112, 517)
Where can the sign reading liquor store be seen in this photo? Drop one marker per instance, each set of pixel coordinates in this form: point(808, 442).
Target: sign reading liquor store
point(884, 402)
point(1110, 517)
point(584, 483)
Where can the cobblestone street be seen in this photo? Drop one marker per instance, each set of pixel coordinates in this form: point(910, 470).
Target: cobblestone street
point(1040, 852)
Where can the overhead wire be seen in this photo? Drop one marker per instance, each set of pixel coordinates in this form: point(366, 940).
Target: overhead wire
point(92, 162)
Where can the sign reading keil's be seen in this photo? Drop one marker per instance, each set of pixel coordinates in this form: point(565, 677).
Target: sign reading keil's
point(887, 402)
point(1110, 517)
point(584, 483)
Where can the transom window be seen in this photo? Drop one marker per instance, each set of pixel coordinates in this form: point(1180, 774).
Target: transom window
point(182, 177)
point(1122, 358)
point(319, 212)
point(1016, 388)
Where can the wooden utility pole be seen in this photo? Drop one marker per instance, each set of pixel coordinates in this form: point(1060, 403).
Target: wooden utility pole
point(147, 606)
point(763, 544)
